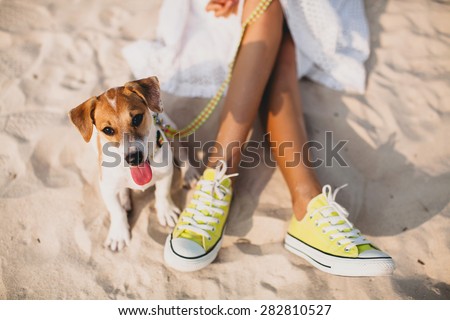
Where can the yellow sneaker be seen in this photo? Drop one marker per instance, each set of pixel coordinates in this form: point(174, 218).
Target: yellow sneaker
point(197, 237)
point(327, 240)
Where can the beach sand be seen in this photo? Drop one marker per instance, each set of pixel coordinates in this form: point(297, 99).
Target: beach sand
point(56, 54)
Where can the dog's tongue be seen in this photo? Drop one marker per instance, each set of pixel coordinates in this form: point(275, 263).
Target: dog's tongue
point(141, 174)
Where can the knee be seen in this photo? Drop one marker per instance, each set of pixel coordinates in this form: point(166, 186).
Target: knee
point(272, 17)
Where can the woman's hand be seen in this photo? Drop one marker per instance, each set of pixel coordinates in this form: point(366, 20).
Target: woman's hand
point(222, 8)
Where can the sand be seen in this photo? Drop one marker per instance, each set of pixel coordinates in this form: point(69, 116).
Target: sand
point(56, 54)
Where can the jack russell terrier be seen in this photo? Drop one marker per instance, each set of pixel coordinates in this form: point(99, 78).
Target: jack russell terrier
point(120, 123)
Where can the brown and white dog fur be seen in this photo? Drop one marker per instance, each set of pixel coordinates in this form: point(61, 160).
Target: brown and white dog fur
point(117, 109)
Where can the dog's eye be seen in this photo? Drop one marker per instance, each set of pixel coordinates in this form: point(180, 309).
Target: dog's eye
point(108, 131)
point(137, 119)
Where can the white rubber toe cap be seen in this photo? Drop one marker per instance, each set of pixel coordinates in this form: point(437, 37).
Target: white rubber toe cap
point(373, 254)
point(187, 248)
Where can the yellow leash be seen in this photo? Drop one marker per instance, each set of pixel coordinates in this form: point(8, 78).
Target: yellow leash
point(212, 104)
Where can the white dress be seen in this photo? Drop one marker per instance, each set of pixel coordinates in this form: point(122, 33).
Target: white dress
point(192, 49)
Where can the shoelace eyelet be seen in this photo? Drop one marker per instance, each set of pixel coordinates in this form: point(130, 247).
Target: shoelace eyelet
point(209, 238)
point(346, 249)
point(339, 243)
point(323, 231)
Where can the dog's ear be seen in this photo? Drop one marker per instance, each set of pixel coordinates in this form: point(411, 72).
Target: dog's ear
point(148, 90)
point(83, 118)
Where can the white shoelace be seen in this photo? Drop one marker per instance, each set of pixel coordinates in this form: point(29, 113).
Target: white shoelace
point(205, 200)
point(350, 236)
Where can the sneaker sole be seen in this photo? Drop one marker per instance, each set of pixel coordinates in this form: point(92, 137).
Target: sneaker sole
point(353, 267)
point(179, 263)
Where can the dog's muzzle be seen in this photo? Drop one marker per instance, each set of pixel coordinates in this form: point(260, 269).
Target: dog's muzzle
point(135, 158)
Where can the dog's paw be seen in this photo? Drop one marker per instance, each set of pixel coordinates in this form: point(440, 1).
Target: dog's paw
point(118, 237)
point(167, 213)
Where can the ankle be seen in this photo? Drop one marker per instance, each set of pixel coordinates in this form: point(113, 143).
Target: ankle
point(301, 200)
point(232, 168)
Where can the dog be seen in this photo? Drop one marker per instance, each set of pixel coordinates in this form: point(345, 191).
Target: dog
point(120, 124)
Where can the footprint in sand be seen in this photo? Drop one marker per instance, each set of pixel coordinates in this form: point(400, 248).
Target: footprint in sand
point(26, 125)
point(10, 162)
point(25, 53)
point(17, 61)
point(23, 16)
point(20, 61)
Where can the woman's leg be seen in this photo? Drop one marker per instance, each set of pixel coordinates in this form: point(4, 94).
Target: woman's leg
point(197, 237)
point(251, 73)
point(326, 239)
point(286, 128)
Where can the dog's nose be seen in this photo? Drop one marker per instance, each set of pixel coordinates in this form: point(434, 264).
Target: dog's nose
point(134, 158)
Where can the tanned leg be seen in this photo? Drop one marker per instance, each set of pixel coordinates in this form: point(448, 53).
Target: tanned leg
point(260, 59)
point(285, 124)
point(251, 73)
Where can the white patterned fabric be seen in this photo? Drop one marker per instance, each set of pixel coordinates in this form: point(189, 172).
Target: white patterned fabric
point(192, 49)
